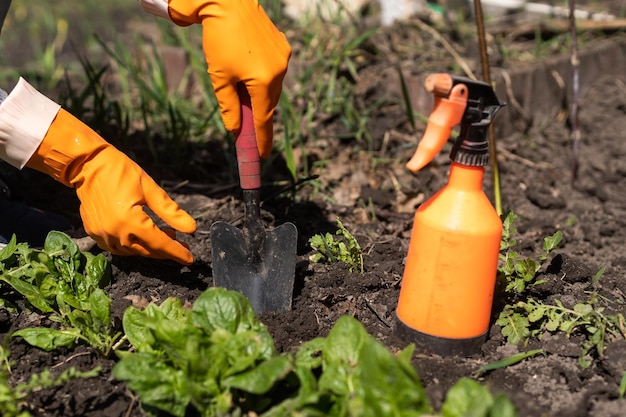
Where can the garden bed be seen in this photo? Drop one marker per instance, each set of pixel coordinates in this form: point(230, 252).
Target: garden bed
point(375, 197)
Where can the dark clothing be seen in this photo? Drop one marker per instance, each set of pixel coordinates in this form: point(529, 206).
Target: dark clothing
point(28, 223)
point(4, 8)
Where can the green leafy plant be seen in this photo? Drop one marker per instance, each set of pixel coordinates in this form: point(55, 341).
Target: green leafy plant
point(66, 284)
point(526, 318)
point(357, 376)
point(468, 398)
point(218, 359)
point(215, 357)
point(329, 249)
point(518, 273)
point(531, 318)
point(12, 398)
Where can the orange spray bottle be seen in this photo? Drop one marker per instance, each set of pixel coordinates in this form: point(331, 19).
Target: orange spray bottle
point(449, 278)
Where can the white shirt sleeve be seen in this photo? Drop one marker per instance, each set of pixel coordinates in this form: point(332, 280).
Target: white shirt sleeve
point(156, 7)
point(25, 117)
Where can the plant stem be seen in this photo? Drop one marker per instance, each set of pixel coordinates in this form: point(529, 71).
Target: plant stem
point(484, 59)
point(575, 90)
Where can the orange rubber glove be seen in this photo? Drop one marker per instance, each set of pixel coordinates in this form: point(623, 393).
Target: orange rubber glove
point(113, 191)
point(241, 44)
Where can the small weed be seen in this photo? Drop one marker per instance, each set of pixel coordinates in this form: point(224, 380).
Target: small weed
point(529, 318)
point(571, 221)
point(12, 398)
point(329, 249)
point(518, 274)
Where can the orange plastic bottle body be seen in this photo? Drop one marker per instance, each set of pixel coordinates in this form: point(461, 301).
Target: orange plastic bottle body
point(449, 278)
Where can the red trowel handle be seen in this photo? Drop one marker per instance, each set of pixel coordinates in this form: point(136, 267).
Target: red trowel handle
point(248, 159)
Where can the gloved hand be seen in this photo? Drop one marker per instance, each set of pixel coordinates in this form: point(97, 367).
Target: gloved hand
point(113, 191)
point(241, 44)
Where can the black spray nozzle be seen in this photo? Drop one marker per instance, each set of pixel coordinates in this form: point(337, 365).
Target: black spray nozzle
point(472, 146)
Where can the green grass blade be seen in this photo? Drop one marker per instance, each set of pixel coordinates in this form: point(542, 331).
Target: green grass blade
point(508, 361)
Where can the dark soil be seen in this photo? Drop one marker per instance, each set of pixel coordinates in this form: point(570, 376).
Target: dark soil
point(376, 202)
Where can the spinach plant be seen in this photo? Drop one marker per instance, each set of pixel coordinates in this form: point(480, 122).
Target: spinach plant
point(349, 373)
point(66, 284)
point(469, 398)
point(218, 359)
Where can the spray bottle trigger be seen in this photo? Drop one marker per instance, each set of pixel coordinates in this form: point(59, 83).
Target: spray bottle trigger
point(447, 113)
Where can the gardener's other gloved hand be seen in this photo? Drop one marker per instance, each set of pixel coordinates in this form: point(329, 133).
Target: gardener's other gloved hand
point(113, 190)
point(241, 44)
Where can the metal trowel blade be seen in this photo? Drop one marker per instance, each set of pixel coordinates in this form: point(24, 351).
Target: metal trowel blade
point(268, 280)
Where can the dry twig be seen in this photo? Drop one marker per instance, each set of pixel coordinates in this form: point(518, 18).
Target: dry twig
point(448, 47)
